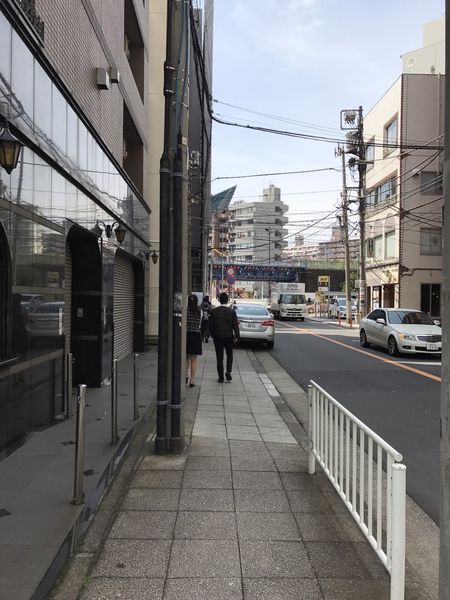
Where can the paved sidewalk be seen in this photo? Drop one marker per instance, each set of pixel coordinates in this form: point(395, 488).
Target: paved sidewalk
point(236, 516)
point(38, 524)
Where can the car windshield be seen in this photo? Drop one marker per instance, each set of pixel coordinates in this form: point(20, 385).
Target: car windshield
point(293, 299)
point(251, 309)
point(405, 317)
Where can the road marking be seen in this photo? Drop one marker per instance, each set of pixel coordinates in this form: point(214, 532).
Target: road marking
point(413, 362)
point(374, 356)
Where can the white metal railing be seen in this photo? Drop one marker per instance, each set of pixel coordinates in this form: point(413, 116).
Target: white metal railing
point(366, 473)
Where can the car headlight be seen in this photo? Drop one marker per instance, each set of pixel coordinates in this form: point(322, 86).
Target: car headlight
point(407, 336)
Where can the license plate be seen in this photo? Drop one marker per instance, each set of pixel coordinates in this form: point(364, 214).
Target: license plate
point(432, 346)
point(252, 325)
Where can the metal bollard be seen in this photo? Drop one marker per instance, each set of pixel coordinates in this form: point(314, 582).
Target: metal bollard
point(78, 494)
point(69, 385)
point(114, 396)
point(135, 387)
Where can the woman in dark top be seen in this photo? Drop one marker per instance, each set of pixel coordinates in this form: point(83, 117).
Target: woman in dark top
point(193, 339)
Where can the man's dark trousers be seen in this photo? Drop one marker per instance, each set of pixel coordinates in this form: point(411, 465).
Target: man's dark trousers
point(220, 344)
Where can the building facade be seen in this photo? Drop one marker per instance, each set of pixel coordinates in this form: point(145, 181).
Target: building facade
point(73, 83)
point(257, 229)
point(403, 217)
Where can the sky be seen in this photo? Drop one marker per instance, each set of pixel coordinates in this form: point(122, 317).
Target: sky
point(302, 61)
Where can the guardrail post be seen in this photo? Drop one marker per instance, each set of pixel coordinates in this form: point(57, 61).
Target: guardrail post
point(135, 386)
point(78, 494)
point(69, 385)
point(114, 395)
point(311, 457)
point(398, 499)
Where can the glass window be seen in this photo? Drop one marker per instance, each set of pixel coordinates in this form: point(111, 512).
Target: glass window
point(22, 74)
point(22, 179)
point(251, 309)
point(5, 48)
point(372, 198)
point(387, 190)
point(431, 183)
point(42, 101)
point(59, 120)
point(370, 155)
point(58, 197)
point(390, 136)
point(430, 241)
point(82, 148)
point(42, 187)
point(389, 244)
point(430, 299)
point(292, 299)
point(409, 317)
point(72, 135)
point(378, 247)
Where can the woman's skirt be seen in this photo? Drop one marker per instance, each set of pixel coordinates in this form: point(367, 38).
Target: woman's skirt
point(193, 343)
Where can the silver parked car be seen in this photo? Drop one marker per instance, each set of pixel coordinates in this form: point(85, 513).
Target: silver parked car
point(255, 323)
point(401, 330)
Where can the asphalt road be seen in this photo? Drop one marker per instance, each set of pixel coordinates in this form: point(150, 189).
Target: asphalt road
point(396, 397)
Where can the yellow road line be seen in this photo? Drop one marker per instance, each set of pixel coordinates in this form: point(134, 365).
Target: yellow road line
point(374, 356)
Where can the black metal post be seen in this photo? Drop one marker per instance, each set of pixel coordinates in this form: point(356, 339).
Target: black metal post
point(78, 493)
point(165, 255)
point(176, 437)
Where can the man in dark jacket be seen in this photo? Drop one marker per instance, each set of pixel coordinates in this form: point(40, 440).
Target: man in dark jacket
point(223, 327)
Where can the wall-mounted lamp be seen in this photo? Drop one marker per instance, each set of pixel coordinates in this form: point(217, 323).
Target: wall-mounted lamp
point(10, 148)
point(146, 255)
point(101, 227)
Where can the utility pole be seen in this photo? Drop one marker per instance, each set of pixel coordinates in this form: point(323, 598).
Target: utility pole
point(269, 232)
point(173, 232)
point(362, 213)
point(344, 196)
point(444, 555)
point(165, 254)
point(352, 120)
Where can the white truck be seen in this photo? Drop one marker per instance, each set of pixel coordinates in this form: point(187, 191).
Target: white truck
point(288, 301)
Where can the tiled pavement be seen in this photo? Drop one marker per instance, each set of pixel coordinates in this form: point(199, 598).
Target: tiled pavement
point(236, 516)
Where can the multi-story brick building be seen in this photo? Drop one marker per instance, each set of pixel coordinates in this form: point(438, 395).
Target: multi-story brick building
point(73, 89)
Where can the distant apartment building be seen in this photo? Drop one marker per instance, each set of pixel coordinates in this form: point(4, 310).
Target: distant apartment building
point(404, 203)
point(257, 229)
point(327, 252)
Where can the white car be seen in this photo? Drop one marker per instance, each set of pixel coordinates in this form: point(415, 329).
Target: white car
point(401, 330)
point(255, 323)
point(338, 308)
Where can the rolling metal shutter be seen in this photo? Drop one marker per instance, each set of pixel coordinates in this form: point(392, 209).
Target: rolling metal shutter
point(68, 299)
point(123, 307)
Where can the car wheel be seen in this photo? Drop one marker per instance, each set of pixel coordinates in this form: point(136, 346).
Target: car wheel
point(302, 319)
point(270, 345)
point(363, 339)
point(392, 346)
